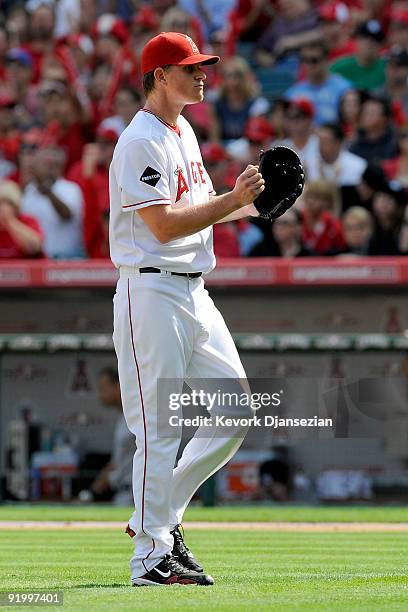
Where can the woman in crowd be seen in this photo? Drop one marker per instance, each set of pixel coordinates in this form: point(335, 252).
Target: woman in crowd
point(388, 210)
point(358, 230)
point(350, 111)
point(284, 239)
point(238, 100)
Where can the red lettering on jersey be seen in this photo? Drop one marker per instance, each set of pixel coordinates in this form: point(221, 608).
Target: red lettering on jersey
point(200, 170)
point(193, 172)
point(182, 186)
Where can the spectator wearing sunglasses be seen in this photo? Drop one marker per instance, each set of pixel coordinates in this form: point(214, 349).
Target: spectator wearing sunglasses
point(299, 114)
point(324, 90)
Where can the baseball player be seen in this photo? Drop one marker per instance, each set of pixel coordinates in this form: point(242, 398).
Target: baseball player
point(165, 324)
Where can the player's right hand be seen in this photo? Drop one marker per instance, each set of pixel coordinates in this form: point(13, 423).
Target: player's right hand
point(248, 185)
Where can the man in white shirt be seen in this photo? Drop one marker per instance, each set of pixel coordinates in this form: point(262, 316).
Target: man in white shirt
point(334, 163)
point(57, 204)
point(165, 325)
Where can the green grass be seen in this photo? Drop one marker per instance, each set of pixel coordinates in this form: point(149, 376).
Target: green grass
point(345, 572)
point(387, 514)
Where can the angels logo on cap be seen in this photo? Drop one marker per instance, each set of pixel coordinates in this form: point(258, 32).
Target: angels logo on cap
point(194, 47)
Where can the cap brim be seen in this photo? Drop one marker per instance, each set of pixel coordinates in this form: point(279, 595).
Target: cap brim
point(199, 58)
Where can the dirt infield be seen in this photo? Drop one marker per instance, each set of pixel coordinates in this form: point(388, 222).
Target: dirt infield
point(233, 526)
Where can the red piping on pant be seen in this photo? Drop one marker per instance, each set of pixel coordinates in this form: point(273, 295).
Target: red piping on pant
point(144, 424)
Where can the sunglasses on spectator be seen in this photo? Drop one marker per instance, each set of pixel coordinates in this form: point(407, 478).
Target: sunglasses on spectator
point(295, 116)
point(234, 74)
point(312, 60)
point(28, 147)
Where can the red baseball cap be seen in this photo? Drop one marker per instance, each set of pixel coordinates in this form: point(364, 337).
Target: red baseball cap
point(213, 152)
point(107, 133)
point(304, 105)
point(399, 15)
point(258, 129)
point(175, 49)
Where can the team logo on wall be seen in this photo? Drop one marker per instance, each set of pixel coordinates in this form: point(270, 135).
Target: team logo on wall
point(150, 176)
point(79, 381)
point(26, 372)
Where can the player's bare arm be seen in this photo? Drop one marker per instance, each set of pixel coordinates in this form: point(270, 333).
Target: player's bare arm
point(167, 223)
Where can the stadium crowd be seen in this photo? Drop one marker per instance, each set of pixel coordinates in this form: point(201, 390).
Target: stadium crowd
point(328, 78)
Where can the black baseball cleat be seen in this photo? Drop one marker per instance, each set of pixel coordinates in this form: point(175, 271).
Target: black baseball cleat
point(170, 571)
point(182, 553)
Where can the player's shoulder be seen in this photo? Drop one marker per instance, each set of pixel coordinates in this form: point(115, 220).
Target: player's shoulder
point(140, 132)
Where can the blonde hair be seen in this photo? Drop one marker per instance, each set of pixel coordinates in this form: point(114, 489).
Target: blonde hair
point(174, 13)
point(248, 83)
point(359, 214)
point(324, 190)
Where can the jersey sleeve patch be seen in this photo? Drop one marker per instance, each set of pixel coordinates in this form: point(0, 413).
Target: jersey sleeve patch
point(150, 176)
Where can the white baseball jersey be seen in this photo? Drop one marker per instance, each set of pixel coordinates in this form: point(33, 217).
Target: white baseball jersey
point(155, 164)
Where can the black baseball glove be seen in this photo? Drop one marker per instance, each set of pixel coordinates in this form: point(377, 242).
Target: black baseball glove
point(284, 181)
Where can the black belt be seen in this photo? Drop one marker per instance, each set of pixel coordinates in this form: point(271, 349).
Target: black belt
point(158, 271)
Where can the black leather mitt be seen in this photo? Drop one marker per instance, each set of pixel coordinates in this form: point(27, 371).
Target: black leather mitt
point(284, 181)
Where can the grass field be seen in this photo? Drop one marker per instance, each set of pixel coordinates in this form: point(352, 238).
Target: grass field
point(281, 512)
point(253, 570)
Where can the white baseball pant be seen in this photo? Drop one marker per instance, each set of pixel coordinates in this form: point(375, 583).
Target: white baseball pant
point(167, 327)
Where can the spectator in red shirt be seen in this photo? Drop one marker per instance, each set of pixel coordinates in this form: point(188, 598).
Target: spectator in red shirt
point(20, 235)
point(226, 240)
point(334, 19)
point(41, 33)
point(3, 50)
point(19, 75)
point(9, 135)
point(63, 119)
point(92, 175)
point(250, 18)
point(322, 232)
